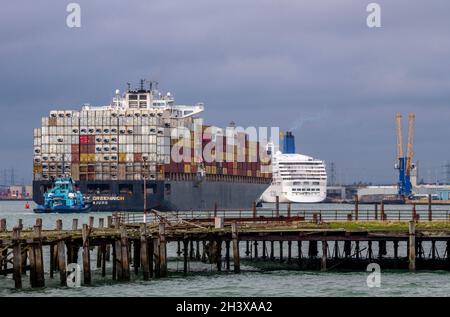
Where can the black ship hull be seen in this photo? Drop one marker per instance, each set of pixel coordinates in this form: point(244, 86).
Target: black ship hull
point(162, 195)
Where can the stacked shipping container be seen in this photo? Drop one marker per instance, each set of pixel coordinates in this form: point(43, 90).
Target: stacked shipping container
point(108, 145)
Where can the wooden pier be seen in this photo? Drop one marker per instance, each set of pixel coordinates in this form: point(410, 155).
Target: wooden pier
point(134, 247)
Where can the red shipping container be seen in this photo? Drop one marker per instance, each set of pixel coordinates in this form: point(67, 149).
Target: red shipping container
point(137, 157)
point(91, 148)
point(83, 148)
point(84, 139)
point(75, 148)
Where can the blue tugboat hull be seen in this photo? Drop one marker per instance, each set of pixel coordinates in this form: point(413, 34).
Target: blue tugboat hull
point(62, 209)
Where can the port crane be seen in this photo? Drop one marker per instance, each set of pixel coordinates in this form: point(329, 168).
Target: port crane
point(405, 164)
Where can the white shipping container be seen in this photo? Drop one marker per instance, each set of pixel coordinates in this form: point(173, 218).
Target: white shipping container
point(129, 157)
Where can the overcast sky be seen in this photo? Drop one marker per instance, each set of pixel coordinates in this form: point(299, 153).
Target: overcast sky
point(310, 66)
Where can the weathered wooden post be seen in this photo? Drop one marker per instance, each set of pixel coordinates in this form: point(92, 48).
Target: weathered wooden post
point(336, 250)
point(254, 209)
point(20, 224)
point(115, 259)
point(255, 244)
point(247, 248)
point(281, 250)
point(219, 255)
point(312, 249)
point(381, 249)
point(156, 257)
point(412, 246)
point(299, 252)
point(347, 248)
point(197, 250)
point(227, 254)
point(235, 238)
point(203, 251)
point(369, 250)
point(150, 252)
point(185, 256)
point(357, 250)
point(277, 206)
point(163, 249)
point(109, 222)
point(376, 211)
point(191, 250)
point(36, 259)
point(356, 207)
point(86, 256)
point(324, 255)
point(17, 258)
point(91, 222)
point(61, 254)
point(395, 249)
point(430, 213)
point(264, 251)
point(272, 250)
point(414, 212)
point(99, 248)
point(144, 252)
point(125, 264)
point(3, 225)
point(289, 251)
point(102, 250)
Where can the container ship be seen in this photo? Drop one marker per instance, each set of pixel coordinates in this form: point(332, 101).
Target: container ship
point(121, 156)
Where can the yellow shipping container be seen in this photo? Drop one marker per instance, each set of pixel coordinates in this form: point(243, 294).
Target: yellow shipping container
point(187, 168)
point(249, 173)
point(84, 157)
point(224, 171)
point(258, 174)
point(213, 170)
point(91, 158)
point(208, 169)
point(122, 157)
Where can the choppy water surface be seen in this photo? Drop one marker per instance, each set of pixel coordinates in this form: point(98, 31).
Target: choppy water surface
point(206, 282)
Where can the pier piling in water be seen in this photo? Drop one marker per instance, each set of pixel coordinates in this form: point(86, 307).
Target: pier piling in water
point(86, 255)
point(17, 258)
point(145, 245)
point(412, 246)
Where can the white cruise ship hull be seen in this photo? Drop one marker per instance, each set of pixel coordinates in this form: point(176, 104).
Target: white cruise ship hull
point(285, 195)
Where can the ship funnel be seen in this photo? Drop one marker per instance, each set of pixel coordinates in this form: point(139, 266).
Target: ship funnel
point(288, 143)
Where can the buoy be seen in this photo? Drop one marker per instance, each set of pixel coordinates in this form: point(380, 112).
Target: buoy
point(27, 206)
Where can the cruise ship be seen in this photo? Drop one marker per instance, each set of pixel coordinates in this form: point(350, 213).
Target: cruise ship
point(143, 151)
point(297, 178)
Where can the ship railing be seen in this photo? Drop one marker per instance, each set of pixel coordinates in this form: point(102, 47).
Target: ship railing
point(363, 213)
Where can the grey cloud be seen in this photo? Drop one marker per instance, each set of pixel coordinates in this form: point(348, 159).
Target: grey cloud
point(255, 62)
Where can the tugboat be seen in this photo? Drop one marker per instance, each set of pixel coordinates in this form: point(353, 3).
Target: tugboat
point(63, 198)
